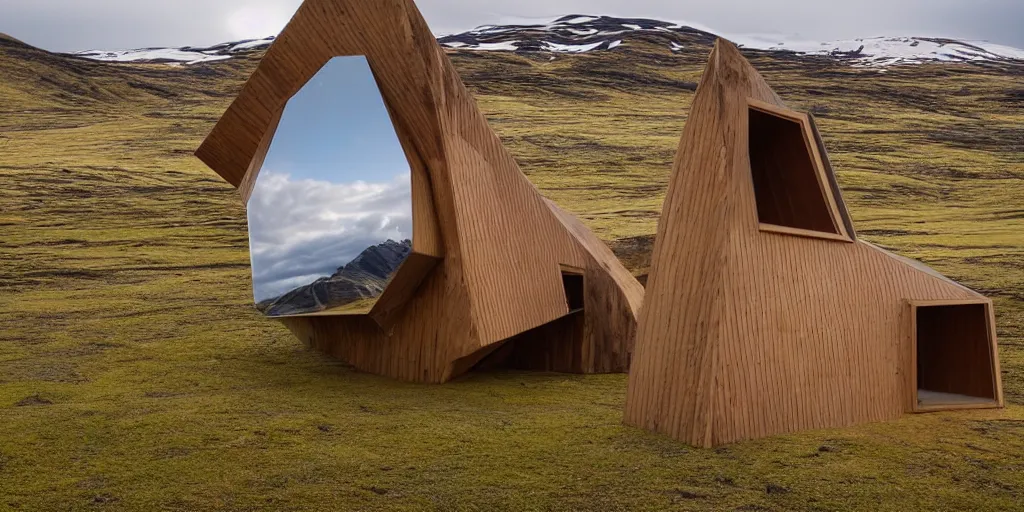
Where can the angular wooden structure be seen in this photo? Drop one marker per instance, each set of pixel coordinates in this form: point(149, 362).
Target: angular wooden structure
point(764, 313)
point(492, 260)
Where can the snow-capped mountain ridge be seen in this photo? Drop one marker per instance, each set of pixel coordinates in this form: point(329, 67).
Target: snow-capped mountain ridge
point(883, 51)
point(577, 33)
point(185, 54)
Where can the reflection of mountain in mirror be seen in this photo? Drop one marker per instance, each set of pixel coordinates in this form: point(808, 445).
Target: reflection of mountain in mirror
point(330, 216)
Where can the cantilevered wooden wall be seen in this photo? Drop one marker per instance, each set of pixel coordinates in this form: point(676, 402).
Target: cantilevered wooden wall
point(750, 329)
point(488, 249)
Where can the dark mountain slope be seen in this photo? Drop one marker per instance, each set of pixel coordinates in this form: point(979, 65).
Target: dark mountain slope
point(363, 278)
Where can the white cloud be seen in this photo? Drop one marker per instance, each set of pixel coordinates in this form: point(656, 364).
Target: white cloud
point(257, 21)
point(303, 229)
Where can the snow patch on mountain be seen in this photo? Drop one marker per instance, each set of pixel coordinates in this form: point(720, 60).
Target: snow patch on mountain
point(252, 45)
point(579, 19)
point(505, 46)
point(571, 48)
point(152, 55)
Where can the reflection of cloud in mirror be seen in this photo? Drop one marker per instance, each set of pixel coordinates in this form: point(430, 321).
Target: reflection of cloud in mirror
point(304, 229)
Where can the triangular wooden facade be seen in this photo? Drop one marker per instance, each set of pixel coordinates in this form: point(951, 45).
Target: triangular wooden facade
point(750, 328)
point(489, 251)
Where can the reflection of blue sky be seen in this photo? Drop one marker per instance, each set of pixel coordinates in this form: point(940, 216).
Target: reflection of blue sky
point(337, 128)
point(335, 181)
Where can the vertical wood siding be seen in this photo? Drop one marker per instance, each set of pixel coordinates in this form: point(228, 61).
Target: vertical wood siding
point(499, 243)
point(746, 333)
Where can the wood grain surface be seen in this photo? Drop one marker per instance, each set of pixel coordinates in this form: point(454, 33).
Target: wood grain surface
point(746, 333)
point(499, 245)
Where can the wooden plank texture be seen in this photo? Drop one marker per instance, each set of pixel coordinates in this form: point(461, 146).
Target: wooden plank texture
point(500, 244)
point(745, 333)
point(252, 172)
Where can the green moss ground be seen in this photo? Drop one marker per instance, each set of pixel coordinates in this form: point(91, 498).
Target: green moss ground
point(136, 375)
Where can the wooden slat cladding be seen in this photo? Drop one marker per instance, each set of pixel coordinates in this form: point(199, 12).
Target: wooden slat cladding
point(252, 172)
point(611, 302)
point(746, 333)
point(488, 249)
point(553, 347)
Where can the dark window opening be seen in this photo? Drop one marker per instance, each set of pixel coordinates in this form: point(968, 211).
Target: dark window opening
point(954, 356)
point(573, 284)
point(553, 347)
point(786, 181)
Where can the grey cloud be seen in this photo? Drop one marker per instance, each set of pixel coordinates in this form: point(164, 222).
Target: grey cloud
point(64, 25)
point(301, 230)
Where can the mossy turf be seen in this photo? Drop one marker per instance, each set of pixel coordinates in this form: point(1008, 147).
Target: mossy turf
point(135, 373)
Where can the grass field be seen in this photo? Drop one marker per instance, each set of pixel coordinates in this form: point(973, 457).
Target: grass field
point(135, 373)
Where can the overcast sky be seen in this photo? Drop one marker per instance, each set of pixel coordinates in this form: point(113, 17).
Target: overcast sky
point(302, 229)
point(68, 25)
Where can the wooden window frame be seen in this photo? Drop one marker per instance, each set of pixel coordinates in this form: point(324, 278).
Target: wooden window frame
point(841, 234)
point(993, 352)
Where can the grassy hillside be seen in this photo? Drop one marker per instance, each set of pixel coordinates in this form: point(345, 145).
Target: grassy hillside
point(135, 373)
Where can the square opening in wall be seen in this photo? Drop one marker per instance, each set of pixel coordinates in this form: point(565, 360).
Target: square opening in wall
point(955, 358)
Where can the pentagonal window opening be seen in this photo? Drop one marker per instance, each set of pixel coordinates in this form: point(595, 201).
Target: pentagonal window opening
point(954, 354)
point(330, 214)
point(789, 184)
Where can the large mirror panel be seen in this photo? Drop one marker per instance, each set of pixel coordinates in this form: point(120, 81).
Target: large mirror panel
point(330, 215)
